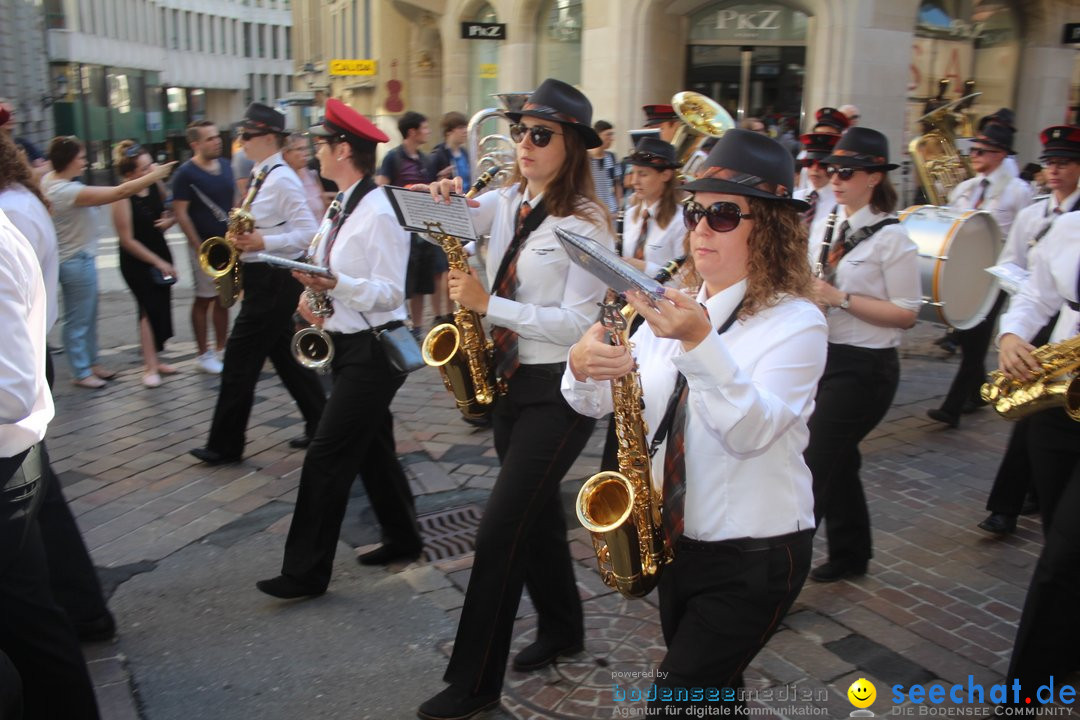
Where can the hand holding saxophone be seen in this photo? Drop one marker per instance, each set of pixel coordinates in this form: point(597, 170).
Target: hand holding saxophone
point(248, 242)
point(593, 356)
point(1015, 358)
point(467, 290)
point(678, 317)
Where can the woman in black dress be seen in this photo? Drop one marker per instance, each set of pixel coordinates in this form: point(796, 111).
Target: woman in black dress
point(145, 261)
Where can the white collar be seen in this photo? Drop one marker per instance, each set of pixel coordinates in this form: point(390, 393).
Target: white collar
point(866, 215)
point(721, 305)
point(1052, 204)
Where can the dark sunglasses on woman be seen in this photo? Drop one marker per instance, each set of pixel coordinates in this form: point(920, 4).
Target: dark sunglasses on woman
point(845, 173)
point(722, 216)
point(539, 134)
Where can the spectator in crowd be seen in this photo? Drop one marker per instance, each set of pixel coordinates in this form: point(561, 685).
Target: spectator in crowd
point(450, 158)
point(753, 124)
point(241, 166)
point(606, 170)
point(297, 154)
point(39, 164)
point(852, 114)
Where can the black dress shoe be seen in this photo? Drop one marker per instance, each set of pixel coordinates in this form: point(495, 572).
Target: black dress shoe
point(100, 629)
point(299, 443)
point(453, 703)
point(386, 554)
point(941, 416)
point(211, 457)
point(835, 570)
point(287, 588)
point(999, 524)
point(543, 653)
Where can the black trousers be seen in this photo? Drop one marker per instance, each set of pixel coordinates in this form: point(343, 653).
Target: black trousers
point(35, 633)
point(355, 435)
point(720, 602)
point(521, 540)
point(1049, 632)
point(974, 343)
point(263, 329)
point(853, 396)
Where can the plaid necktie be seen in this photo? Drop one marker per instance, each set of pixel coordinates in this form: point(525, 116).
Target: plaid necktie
point(808, 216)
point(984, 185)
point(639, 251)
point(504, 339)
point(836, 252)
point(674, 504)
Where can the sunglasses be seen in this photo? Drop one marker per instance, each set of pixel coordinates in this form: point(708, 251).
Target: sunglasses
point(845, 173)
point(976, 152)
point(248, 135)
point(538, 134)
point(721, 216)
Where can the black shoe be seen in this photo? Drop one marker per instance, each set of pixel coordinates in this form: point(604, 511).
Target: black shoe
point(100, 629)
point(299, 443)
point(947, 343)
point(971, 406)
point(543, 653)
point(1030, 506)
point(288, 588)
point(210, 457)
point(386, 554)
point(941, 416)
point(835, 570)
point(999, 524)
point(454, 703)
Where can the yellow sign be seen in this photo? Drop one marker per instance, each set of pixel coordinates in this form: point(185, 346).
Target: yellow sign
point(489, 71)
point(352, 67)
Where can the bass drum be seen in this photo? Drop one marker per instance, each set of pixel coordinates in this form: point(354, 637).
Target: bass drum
point(955, 248)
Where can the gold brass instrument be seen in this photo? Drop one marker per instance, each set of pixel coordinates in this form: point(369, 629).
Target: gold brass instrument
point(219, 257)
point(494, 153)
point(620, 509)
point(312, 346)
point(1057, 384)
point(938, 164)
point(461, 350)
point(701, 117)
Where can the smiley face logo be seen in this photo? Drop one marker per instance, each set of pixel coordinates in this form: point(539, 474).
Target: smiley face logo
point(862, 693)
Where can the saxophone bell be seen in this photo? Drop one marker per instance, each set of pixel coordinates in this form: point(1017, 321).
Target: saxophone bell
point(313, 348)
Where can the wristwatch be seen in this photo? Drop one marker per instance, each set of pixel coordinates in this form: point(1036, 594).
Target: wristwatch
point(846, 302)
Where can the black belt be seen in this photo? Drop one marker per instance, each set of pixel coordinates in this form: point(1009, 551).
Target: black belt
point(741, 544)
point(544, 370)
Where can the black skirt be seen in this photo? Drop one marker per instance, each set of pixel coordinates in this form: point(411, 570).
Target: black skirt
point(154, 301)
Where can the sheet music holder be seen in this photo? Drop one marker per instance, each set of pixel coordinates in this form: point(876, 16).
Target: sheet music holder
point(294, 264)
point(606, 266)
point(418, 212)
point(1010, 276)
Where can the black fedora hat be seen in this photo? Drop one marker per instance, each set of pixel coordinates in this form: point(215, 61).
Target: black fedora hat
point(747, 160)
point(654, 153)
point(996, 136)
point(818, 145)
point(263, 118)
point(562, 103)
point(1001, 116)
point(862, 147)
point(1060, 141)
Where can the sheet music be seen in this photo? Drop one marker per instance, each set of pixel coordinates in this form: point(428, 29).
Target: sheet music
point(606, 266)
point(418, 212)
point(1011, 276)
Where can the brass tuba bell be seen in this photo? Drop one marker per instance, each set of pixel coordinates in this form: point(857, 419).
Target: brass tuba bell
point(701, 117)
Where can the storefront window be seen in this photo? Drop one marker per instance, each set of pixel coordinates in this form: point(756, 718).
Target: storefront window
point(559, 41)
point(483, 65)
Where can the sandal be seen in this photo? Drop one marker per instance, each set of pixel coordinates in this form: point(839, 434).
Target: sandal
point(103, 373)
point(91, 382)
point(151, 380)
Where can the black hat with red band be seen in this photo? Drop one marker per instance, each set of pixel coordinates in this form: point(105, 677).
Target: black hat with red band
point(1060, 141)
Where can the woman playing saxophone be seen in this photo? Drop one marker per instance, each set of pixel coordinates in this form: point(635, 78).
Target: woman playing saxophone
point(728, 380)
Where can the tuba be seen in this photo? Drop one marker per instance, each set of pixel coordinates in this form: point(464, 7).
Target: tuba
point(1057, 384)
point(219, 258)
point(493, 153)
point(938, 164)
point(701, 117)
point(312, 346)
point(620, 509)
point(461, 351)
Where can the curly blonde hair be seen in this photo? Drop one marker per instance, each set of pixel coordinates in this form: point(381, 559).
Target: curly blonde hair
point(15, 170)
point(778, 263)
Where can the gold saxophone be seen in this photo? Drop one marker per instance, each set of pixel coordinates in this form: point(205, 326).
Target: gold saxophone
point(620, 508)
point(219, 257)
point(1057, 384)
point(461, 350)
point(312, 346)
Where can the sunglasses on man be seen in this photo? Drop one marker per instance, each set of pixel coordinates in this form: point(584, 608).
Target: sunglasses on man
point(538, 134)
point(978, 151)
point(721, 216)
point(251, 134)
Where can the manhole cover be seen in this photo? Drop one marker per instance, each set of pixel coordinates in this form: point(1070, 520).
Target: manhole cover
point(449, 533)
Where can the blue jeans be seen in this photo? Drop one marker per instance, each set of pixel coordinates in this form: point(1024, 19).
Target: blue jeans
point(78, 282)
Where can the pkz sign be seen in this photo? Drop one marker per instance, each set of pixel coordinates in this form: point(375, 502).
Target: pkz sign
point(750, 21)
point(483, 31)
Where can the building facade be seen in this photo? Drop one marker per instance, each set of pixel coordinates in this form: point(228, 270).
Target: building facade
point(30, 90)
point(144, 69)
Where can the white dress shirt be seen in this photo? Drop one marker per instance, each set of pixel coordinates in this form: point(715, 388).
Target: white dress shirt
point(1052, 283)
point(556, 300)
point(825, 204)
point(661, 244)
point(281, 212)
point(1005, 197)
point(751, 394)
point(883, 266)
point(26, 405)
point(369, 257)
point(1029, 223)
point(32, 219)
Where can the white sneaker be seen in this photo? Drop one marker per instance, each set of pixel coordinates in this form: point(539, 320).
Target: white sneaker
point(208, 363)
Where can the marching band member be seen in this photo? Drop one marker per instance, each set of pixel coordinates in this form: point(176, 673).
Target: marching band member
point(739, 364)
point(368, 253)
point(869, 285)
point(540, 303)
point(818, 193)
point(827, 121)
point(997, 190)
point(1061, 155)
point(284, 226)
point(653, 233)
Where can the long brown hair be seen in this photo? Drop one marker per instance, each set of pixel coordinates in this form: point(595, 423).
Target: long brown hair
point(15, 170)
point(571, 191)
point(778, 262)
point(669, 199)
